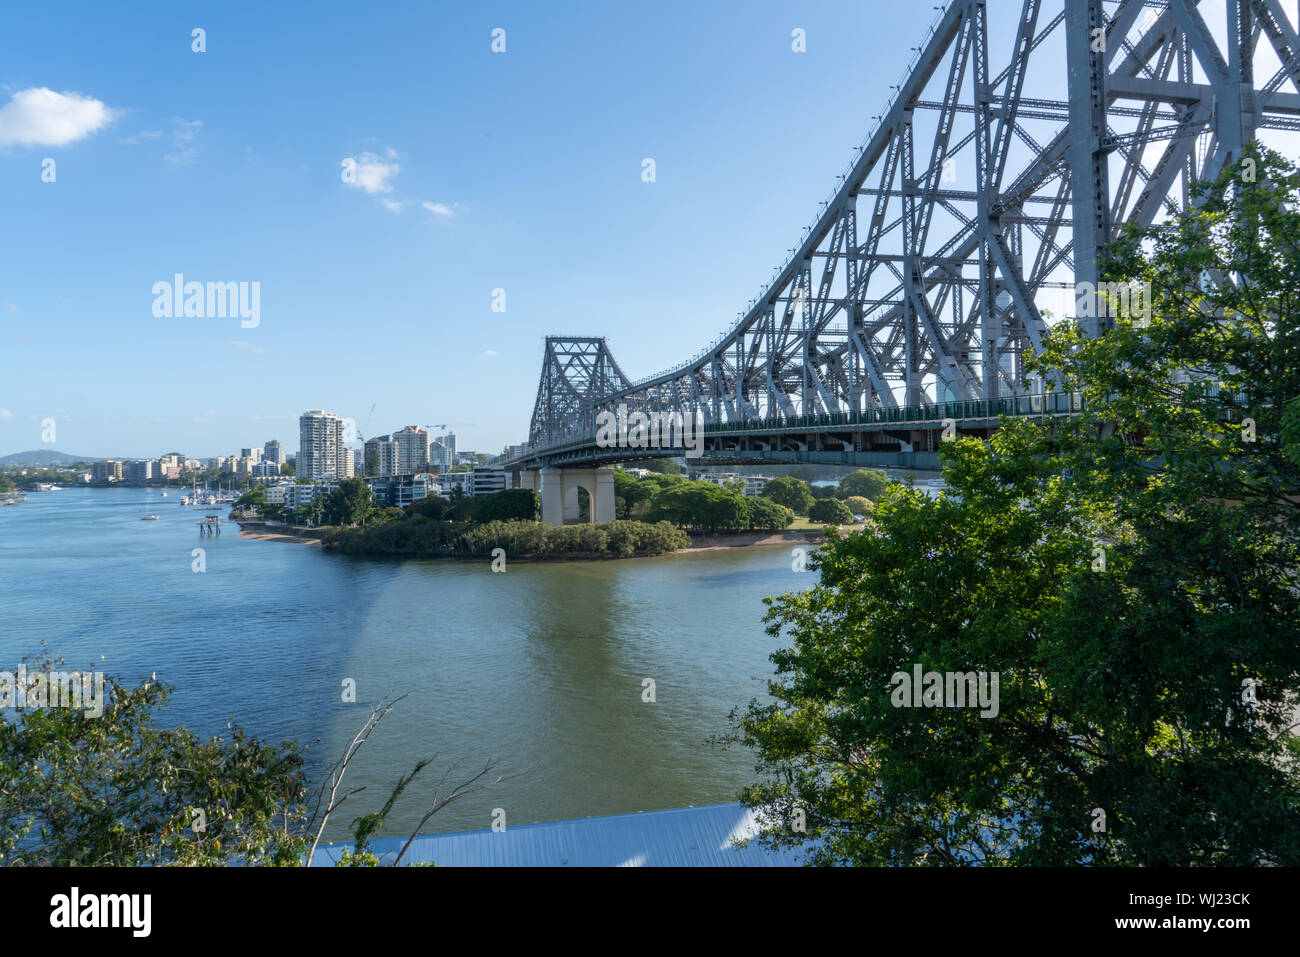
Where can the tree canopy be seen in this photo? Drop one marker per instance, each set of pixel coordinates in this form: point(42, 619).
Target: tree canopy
point(791, 492)
point(868, 483)
point(1131, 576)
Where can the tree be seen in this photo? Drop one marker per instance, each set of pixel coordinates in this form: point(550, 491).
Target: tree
point(664, 466)
point(254, 497)
point(858, 505)
point(700, 505)
point(831, 511)
point(287, 468)
point(121, 789)
point(431, 506)
point(791, 492)
point(867, 483)
point(509, 504)
point(351, 502)
point(766, 514)
point(631, 493)
point(1131, 575)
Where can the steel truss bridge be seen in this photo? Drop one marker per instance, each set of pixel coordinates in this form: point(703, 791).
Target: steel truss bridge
point(915, 295)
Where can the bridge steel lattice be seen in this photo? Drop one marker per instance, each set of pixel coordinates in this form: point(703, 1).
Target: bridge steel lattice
point(921, 279)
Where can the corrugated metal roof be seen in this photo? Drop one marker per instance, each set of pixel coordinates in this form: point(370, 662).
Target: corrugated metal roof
point(682, 837)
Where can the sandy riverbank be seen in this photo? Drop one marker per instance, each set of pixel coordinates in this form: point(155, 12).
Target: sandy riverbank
point(278, 533)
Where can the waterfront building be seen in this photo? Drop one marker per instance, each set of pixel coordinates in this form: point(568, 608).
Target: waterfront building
point(275, 494)
point(106, 470)
point(272, 452)
point(266, 469)
point(401, 491)
point(488, 479)
point(412, 450)
point(140, 470)
point(320, 445)
point(296, 496)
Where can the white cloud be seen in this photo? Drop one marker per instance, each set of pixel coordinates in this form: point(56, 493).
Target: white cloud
point(183, 148)
point(5, 415)
point(41, 117)
point(487, 353)
point(392, 205)
point(438, 209)
point(373, 174)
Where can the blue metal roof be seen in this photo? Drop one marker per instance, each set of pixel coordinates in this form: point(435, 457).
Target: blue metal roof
point(682, 837)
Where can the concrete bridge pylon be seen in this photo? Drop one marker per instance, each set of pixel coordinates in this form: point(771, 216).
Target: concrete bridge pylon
point(558, 489)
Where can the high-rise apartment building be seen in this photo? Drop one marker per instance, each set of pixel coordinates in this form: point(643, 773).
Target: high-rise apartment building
point(106, 470)
point(380, 457)
point(441, 457)
point(412, 450)
point(321, 454)
point(272, 452)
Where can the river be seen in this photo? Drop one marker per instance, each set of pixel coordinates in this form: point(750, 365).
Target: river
point(541, 668)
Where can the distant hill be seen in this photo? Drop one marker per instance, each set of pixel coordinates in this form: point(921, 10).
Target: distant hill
point(45, 458)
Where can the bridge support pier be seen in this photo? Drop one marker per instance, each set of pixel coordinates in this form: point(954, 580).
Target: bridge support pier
point(559, 492)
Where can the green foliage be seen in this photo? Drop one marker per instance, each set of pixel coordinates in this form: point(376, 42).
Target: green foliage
point(791, 492)
point(367, 825)
point(868, 483)
point(254, 497)
point(666, 466)
point(431, 506)
point(118, 790)
point(858, 505)
point(702, 506)
point(633, 495)
point(512, 504)
point(425, 538)
point(764, 514)
point(1126, 686)
point(831, 511)
point(352, 502)
point(361, 859)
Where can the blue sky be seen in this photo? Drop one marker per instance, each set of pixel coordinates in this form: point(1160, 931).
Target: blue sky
point(519, 171)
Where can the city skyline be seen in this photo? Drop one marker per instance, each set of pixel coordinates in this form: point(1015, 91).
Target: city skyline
point(378, 292)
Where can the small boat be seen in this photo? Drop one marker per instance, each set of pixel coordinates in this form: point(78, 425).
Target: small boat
point(148, 518)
